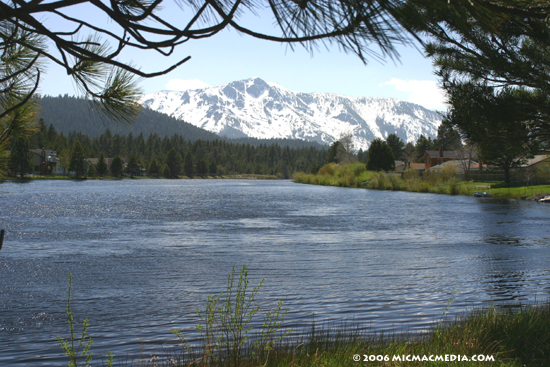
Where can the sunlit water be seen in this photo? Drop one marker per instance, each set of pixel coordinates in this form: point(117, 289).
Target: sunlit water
point(146, 253)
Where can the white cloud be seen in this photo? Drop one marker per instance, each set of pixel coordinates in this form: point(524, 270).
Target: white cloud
point(179, 84)
point(423, 92)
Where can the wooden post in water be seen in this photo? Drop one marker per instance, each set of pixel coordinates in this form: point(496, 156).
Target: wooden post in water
point(1, 238)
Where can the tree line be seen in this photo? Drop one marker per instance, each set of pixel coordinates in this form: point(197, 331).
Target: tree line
point(382, 154)
point(172, 156)
point(491, 57)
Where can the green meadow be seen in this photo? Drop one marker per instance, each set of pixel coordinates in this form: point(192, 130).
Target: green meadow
point(444, 182)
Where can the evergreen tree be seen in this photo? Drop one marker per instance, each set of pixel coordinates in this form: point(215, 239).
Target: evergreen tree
point(188, 169)
point(202, 168)
point(154, 168)
point(362, 156)
point(173, 161)
point(133, 165)
point(422, 145)
point(101, 168)
point(116, 166)
point(51, 135)
point(514, 56)
point(21, 157)
point(448, 138)
point(91, 170)
point(39, 139)
point(397, 145)
point(314, 168)
point(332, 155)
point(213, 168)
point(380, 157)
point(496, 120)
point(64, 157)
point(227, 157)
point(78, 163)
point(166, 172)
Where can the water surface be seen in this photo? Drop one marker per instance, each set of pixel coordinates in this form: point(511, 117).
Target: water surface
point(146, 253)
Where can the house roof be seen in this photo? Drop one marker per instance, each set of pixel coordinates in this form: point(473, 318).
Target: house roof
point(536, 159)
point(419, 166)
point(446, 154)
point(39, 152)
point(457, 162)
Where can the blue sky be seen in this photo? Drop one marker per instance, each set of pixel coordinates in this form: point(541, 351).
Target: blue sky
point(230, 56)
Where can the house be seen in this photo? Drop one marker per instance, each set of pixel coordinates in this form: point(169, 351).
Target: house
point(461, 165)
point(536, 170)
point(536, 161)
point(44, 162)
point(434, 158)
point(420, 167)
point(402, 166)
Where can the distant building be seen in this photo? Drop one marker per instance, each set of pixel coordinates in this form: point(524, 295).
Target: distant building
point(402, 166)
point(536, 161)
point(434, 158)
point(44, 162)
point(461, 165)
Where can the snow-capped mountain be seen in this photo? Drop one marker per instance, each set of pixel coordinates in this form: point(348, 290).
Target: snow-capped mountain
point(259, 109)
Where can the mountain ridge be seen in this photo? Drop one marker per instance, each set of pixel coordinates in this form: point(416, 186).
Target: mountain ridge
point(68, 114)
point(256, 108)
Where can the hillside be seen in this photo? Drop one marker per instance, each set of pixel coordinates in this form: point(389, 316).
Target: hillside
point(69, 114)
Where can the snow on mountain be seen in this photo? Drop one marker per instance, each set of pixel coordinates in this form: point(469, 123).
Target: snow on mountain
point(259, 109)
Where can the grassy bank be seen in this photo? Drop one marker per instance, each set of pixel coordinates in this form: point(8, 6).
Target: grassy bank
point(511, 337)
point(505, 336)
point(356, 175)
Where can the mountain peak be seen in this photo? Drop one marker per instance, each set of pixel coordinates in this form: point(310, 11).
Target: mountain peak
point(260, 109)
point(255, 79)
point(256, 87)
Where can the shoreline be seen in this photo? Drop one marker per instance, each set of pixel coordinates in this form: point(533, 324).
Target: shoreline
point(111, 178)
point(355, 175)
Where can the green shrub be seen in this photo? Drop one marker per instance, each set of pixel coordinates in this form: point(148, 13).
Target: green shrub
point(328, 169)
point(341, 171)
point(384, 182)
point(419, 185)
point(78, 348)
point(410, 174)
point(301, 177)
point(454, 186)
point(397, 183)
point(373, 182)
point(439, 188)
point(356, 168)
point(226, 325)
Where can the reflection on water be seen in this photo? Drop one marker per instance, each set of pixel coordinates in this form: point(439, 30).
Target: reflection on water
point(146, 253)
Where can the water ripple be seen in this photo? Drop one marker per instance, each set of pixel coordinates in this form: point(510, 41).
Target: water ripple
point(145, 254)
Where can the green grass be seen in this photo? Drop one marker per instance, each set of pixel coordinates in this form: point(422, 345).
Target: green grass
point(510, 335)
point(353, 176)
point(507, 336)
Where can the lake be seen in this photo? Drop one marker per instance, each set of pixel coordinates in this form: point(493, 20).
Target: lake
point(145, 254)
